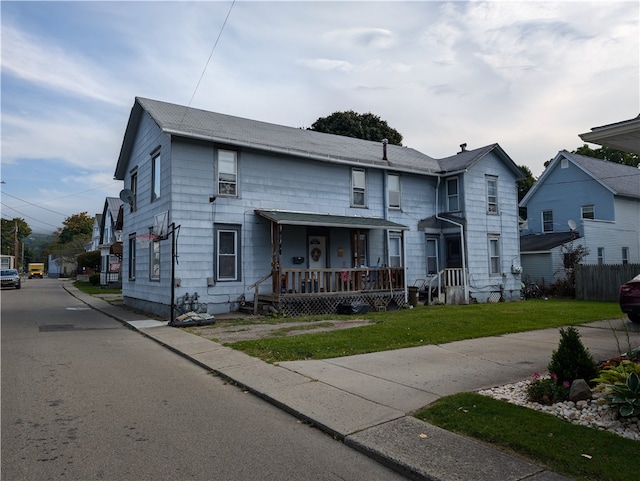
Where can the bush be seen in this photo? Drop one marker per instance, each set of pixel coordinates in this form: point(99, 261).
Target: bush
point(572, 360)
point(94, 279)
point(547, 390)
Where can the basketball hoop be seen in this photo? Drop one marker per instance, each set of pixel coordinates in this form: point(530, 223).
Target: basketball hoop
point(143, 240)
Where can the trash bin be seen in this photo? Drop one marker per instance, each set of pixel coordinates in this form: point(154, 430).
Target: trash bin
point(413, 296)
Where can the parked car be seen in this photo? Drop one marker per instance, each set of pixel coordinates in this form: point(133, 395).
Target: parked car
point(630, 299)
point(11, 278)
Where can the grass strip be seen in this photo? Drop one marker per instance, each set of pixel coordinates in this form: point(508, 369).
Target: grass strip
point(576, 451)
point(425, 325)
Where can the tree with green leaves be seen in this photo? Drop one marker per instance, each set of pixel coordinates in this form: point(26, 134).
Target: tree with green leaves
point(360, 126)
point(524, 185)
point(73, 237)
point(9, 237)
point(605, 153)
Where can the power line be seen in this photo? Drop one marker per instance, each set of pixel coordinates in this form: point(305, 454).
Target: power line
point(208, 60)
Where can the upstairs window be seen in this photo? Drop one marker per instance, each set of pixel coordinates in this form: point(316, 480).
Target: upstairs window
point(131, 260)
point(453, 203)
point(588, 212)
point(228, 173)
point(155, 177)
point(547, 221)
point(358, 188)
point(492, 195)
point(393, 185)
point(134, 189)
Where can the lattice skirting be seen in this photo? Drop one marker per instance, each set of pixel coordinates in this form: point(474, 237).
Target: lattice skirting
point(314, 306)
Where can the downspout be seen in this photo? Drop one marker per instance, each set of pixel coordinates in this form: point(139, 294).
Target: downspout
point(462, 246)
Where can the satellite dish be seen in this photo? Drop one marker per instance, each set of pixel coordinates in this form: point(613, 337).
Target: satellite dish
point(572, 225)
point(127, 196)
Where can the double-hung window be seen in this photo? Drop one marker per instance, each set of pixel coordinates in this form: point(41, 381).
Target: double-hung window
point(155, 176)
point(432, 256)
point(547, 221)
point(393, 187)
point(453, 202)
point(154, 260)
point(494, 255)
point(588, 212)
point(492, 194)
point(358, 188)
point(134, 189)
point(227, 251)
point(131, 260)
point(395, 249)
point(227, 172)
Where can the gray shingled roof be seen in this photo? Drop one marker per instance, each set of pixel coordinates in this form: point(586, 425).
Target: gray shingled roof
point(190, 122)
point(623, 180)
point(545, 242)
point(327, 220)
point(227, 129)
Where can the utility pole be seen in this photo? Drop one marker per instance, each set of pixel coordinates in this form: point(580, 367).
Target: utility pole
point(15, 245)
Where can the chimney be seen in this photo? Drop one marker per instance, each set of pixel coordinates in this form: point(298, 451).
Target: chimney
point(463, 148)
point(384, 149)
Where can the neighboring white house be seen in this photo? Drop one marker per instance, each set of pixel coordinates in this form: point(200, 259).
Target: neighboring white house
point(585, 201)
point(241, 210)
point(110, 244)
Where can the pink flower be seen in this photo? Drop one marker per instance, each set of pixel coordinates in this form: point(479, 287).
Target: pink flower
point(566, 384)
point(554, 376)
point(536, 376)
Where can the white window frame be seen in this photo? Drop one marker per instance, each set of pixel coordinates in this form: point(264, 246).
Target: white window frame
point(492, 194)
point(548, 222)
point(588, 211)
point(394, 191)
point(131, 258)
point(154, 260)
point(600, 256)
point(431, 253)
point(625, 255)
point(453, 198)
point(133, 184)
point(395, 249)
point(227, 172)
point(222, 258)
point(495, 262)
point(358, 188)
point(156, 166)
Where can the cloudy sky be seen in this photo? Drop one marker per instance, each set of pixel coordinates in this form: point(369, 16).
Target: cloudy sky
point(528, 75)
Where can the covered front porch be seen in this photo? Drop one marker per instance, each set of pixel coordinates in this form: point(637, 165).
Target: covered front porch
point(331, 267)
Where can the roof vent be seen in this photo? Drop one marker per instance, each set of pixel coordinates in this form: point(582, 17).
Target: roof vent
point(384, 149)
point(463, 148)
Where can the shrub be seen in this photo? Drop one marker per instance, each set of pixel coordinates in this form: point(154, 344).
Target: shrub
point(94, 279)
point(612, 374)
point(625, 397)
point(572, 360)
point(547, 390)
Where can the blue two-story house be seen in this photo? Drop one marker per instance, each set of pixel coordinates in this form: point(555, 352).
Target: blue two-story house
point(221, 211)
point(581, 201)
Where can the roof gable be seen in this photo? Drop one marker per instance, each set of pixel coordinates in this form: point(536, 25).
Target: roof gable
point(468, 158)
point(619, 179)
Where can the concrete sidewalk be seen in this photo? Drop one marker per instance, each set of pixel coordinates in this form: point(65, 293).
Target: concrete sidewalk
point(365, 400)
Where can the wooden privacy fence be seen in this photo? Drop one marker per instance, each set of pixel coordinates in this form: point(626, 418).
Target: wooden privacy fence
point(602, 282)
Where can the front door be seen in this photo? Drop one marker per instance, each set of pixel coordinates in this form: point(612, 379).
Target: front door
point(317, 252)
point(454, 253)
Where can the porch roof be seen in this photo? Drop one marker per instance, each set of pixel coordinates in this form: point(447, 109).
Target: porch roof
point(328, 220)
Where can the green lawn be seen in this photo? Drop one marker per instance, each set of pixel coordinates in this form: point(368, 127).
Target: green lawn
point(89, 288)
point(430, 325)
point(576, 451)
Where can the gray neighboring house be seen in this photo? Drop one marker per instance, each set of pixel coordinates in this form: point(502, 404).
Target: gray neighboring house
point(221, 211)
point(110, 244)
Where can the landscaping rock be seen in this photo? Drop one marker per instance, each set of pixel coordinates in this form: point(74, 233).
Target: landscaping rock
point(579, 391)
